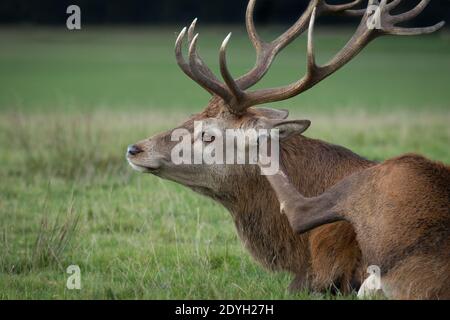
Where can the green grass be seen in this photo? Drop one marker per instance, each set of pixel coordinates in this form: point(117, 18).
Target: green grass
point(70, 103)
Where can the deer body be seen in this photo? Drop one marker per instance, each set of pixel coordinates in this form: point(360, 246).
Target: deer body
point(325, 257)
point(400, 211)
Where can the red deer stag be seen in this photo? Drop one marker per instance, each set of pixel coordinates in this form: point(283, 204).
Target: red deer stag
point(329, 256)
point(400, 210)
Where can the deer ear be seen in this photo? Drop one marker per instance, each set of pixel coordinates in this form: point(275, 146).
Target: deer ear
point(270, 113)
point(288, 128)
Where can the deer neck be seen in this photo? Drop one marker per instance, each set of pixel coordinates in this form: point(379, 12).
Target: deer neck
point(313, 166)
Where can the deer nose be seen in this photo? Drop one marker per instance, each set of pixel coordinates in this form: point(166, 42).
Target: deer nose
point(134, 150)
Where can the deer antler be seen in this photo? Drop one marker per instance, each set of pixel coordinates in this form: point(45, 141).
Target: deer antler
point(376, 21)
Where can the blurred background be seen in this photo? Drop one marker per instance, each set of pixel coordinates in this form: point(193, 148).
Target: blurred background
point(142, 12)
point(72, 100)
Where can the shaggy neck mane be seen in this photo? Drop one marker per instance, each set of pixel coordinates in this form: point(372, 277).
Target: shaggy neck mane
point(314, 166)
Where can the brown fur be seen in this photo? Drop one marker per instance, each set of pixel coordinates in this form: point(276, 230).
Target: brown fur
point(400, 210)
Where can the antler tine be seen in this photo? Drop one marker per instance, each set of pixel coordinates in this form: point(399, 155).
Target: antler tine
point(250, 24)
point(412, 13)
point(391, 5)
point(237, 93)
point(200, 74)
point(339, 8)
point(347, 9)
point(310, 46)
point(355, 12)
point(399, 31)
point(179, 54)
point(191, 30)
point(200, 61)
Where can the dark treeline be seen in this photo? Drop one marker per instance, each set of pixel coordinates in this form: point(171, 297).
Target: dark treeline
point(178, 11)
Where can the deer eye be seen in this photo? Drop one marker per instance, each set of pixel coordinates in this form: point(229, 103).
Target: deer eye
point(207, 137)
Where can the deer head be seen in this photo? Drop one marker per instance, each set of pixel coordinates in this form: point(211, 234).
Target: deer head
point(233, 106)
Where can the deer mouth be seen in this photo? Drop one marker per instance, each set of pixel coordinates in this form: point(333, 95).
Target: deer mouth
point(153, 168)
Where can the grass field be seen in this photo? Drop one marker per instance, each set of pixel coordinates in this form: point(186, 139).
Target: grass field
point(70, 103)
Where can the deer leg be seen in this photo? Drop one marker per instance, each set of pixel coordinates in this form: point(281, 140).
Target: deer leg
point(342, 268)
point(299, 283)
point(303, 213)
